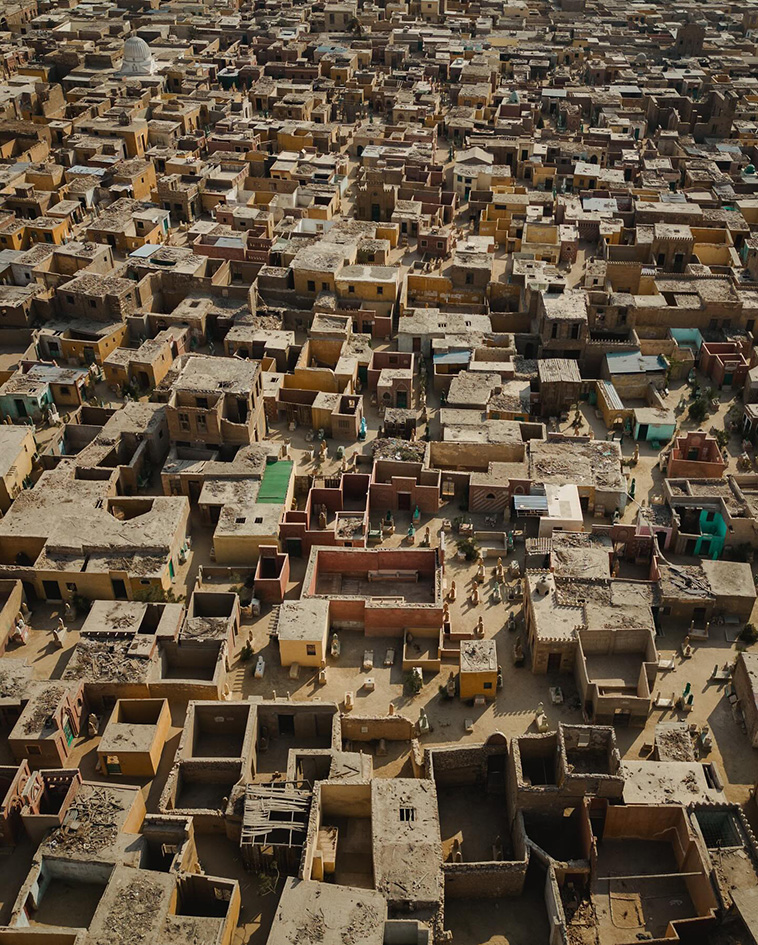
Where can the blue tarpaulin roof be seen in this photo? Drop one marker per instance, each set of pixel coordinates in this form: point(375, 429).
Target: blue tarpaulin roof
point(530, 503)
point(635, 363)
point(453, 357)
point(143, 252)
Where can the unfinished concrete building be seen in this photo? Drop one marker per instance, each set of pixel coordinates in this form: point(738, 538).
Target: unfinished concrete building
point(484, 853)
point(369, 835)
point(559, 769)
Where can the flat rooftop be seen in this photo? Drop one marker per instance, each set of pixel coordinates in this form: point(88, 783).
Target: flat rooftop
point(303, 619)
point(410, 575)
point(314, 913)
point(618, 671)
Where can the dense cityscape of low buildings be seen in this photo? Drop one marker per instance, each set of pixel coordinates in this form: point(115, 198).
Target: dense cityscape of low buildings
point(378, 495)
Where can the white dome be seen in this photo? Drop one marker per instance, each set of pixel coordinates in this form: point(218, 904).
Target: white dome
point(138, 60)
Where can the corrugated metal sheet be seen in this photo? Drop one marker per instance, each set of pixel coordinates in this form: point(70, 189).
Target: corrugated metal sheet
point(614, 401)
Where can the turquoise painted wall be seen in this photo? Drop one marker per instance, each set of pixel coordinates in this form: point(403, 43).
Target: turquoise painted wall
point(713, 535)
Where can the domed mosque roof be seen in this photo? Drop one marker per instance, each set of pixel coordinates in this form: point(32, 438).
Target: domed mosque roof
point(138, 60)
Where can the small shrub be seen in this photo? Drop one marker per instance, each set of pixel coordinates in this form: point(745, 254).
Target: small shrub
point(468, 548)
point(749, 633)
point(698, 410)
point(82, 605)
point(412, 683)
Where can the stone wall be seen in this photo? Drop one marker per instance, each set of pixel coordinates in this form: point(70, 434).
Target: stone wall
point(392, 728)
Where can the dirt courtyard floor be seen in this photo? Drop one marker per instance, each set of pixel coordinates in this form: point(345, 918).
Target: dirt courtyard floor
point(521, 921)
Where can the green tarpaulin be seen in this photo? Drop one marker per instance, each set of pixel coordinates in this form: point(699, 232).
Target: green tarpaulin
point(274, 484)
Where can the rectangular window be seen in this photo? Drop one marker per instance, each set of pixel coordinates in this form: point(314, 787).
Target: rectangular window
point(310, 649)
point(311, 285)
point(407, 815)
